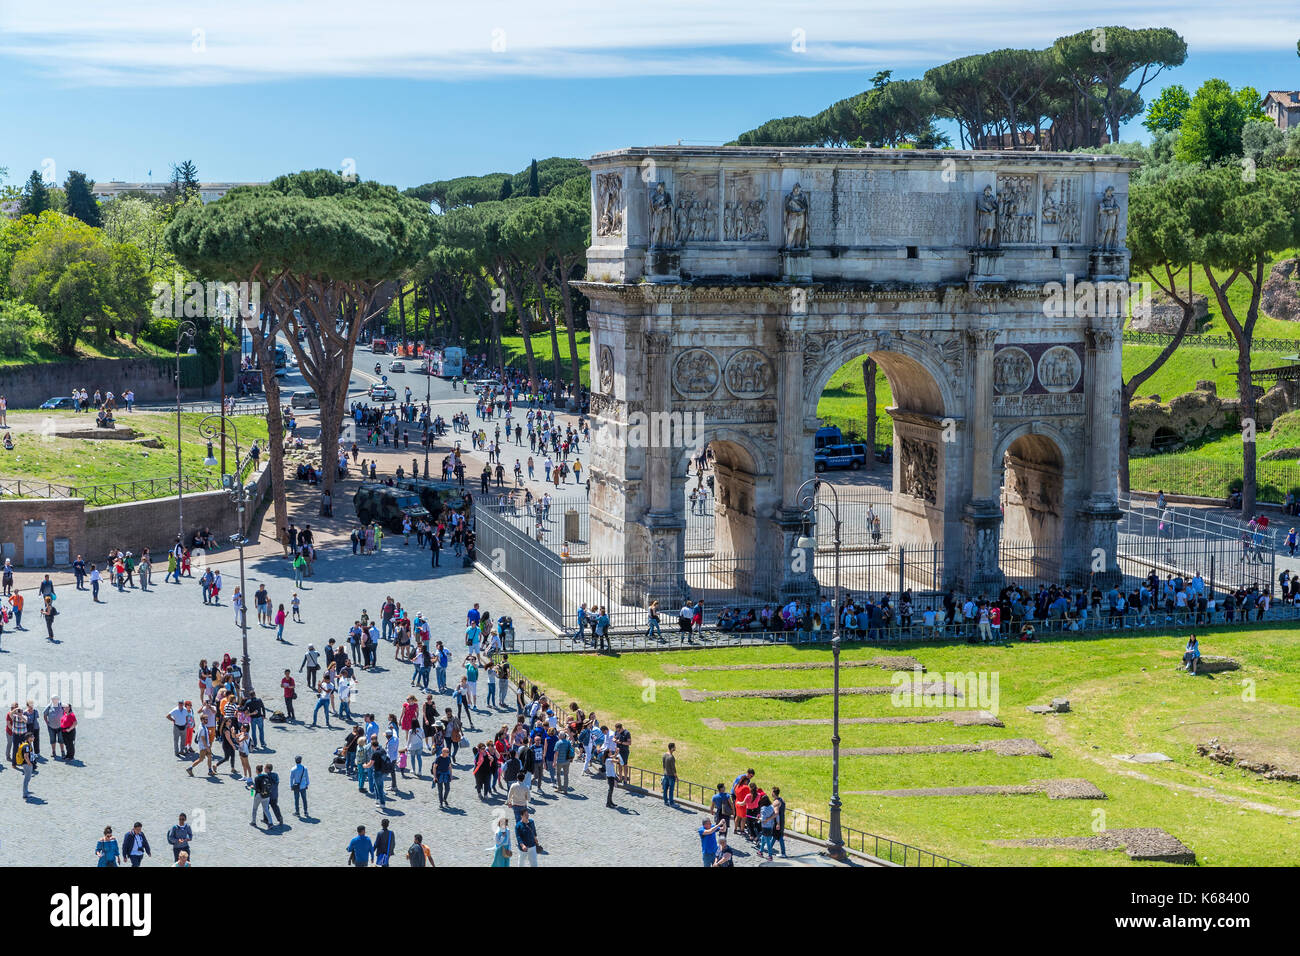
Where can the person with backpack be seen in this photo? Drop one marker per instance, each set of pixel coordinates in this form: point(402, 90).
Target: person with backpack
point(23, 757)
point(418, 854)
point(261, 790)
point(384, 844)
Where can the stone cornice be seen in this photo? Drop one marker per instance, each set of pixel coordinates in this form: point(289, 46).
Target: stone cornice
point(781, 294)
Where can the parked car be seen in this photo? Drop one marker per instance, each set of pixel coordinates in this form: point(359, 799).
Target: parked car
point(398, 366)
point(304, 398)
point(840, 456)
point(383, 393)
point(61, 402)
point(376, 502)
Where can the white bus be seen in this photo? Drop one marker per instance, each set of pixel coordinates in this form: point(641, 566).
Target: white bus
point(453, 363)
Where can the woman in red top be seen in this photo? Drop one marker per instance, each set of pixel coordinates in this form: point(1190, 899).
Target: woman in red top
point(69, 728)
point(740, 798)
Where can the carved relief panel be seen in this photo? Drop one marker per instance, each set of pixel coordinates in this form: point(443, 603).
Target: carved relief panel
point(609, 204)
point(1060, 211)
point(696, 374)
point(744, 209)
point(919, 469)
point(695, 213)
point(1017, 219)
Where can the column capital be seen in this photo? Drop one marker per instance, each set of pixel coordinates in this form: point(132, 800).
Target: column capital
point(790, 340)
point(658, 343)
point(1100, 340)
point(982, 339)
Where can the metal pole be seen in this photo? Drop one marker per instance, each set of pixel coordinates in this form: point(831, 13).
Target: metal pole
point(836, 848)
point(180, 491)
point(428, 402)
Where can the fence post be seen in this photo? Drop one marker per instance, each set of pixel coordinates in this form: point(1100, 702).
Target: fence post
point(901, 574)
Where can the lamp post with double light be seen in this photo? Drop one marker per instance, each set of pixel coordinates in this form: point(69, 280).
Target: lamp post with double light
point(211, 427)
point(809, 500)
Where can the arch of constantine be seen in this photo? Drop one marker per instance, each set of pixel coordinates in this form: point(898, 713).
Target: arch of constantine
point(727, 285)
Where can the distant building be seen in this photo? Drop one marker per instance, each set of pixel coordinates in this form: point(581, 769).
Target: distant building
point(1283, 108)
point(208, 192)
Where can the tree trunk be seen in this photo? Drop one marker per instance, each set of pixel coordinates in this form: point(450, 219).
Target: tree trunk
point(1130, 387)
point(869, 383)
point(517, 298)
point(401, 312)
point(1246, 392)
point(262, 343)
point(549, 316)
point(566, 297)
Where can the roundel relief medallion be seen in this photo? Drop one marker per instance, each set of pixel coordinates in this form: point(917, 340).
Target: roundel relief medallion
point(606, 370)
point(1013, 371)
point(748, 374)
point(1059, 369)
point(696, 374)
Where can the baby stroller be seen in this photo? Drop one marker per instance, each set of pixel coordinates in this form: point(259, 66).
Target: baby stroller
point(339, 763)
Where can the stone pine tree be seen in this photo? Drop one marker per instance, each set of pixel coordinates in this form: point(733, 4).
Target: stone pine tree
point(81, 201)
point(1158, 237)
point(326, 252)
point(1230, 225)
point(36, 196)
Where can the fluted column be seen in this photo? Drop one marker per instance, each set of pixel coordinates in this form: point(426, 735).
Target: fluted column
point(983, 518)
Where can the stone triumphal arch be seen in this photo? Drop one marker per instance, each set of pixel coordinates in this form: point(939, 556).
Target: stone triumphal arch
point(727, 285)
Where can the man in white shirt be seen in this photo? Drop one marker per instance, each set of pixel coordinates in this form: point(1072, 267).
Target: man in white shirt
point(684, 618)
point(180, 719)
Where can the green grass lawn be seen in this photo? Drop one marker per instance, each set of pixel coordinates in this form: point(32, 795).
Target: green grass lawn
point(1207, 467)
point(79, 461)
point(1126, 697)
point(542, 354)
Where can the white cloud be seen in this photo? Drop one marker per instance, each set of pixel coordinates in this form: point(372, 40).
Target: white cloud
point(152, 42)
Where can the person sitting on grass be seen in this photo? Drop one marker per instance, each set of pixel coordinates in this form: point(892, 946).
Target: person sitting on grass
point(1191, 654)
point(9, 442)
point(1027, 633)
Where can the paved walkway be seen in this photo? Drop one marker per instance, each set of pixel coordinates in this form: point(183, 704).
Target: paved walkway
point(124, 663)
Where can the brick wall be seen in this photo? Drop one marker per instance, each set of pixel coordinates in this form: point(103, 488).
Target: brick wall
point(133, 526)
point(27, 386)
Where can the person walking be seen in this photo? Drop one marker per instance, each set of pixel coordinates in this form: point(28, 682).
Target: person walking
point(310, 663)
point(384, 844)
point(360, 850)
point(179, 836)
point(273, 798)
point(107, 850)
point(611, 775)
point(325, 689)
point(135, 845)
point(417, 854)
point(298, 783)
point(526, 835)
point(501, 840)
point(24, 757)
point(289, 688)
point(442, 776)
point(260, 786)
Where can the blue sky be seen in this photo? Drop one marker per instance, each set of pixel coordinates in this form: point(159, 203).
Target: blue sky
point(412, 92)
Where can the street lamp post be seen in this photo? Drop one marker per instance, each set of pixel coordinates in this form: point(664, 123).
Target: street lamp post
point(428, 405)
point(808, 497)
point(183, 330)
point(239, 495)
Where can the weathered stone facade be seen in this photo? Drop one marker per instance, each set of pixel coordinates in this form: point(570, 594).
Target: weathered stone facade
point(739, 280)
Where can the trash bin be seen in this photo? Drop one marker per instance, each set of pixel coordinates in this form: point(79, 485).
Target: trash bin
point(571, 525)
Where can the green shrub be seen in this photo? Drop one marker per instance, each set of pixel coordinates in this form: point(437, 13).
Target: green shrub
point(17, 320)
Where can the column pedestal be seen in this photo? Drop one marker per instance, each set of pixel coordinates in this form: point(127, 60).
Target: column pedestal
point(982, 530)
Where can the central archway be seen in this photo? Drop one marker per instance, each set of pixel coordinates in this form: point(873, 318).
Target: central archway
point(924, 417)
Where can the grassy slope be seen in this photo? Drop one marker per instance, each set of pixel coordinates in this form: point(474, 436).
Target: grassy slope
point(41, 352)
point(77, 461)
point(1126, 695)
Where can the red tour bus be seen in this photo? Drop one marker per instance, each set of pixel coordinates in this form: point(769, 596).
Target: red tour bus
point(379, 346)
